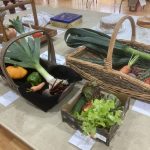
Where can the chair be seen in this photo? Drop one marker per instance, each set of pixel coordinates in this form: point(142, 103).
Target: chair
point(90, 3)
point(120, 5)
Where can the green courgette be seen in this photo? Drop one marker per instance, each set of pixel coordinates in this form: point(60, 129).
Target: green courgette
point(78, 106)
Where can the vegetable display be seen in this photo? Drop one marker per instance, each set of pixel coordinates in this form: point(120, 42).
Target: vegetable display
point(26, 53)
point(101, 112)
point(98, 42)
point(130, 60)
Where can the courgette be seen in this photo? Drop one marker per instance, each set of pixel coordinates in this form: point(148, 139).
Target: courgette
point(78, 106)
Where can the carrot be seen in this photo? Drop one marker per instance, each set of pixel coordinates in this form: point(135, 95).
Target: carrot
point(127, 69)
point(36, 88)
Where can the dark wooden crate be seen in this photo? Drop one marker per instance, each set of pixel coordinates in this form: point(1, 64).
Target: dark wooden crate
point(103, 135)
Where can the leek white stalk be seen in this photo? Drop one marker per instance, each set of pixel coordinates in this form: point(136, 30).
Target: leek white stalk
point(44, 73)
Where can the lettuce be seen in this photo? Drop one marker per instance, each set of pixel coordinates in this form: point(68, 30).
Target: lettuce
point(104, 113)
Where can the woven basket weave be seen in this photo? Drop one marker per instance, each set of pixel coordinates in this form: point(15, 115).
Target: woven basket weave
point(106, 76)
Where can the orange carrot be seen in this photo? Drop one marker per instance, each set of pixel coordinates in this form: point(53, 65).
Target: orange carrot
point(37, 87)
point(127, 69)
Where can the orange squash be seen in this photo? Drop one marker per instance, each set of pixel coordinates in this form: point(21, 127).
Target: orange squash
point(16, 72)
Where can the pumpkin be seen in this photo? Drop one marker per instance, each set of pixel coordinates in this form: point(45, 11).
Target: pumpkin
point(16, 72)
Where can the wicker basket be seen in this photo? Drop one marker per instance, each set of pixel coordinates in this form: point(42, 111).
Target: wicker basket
point(20, 86)
point(36, 26)
point(105, 75)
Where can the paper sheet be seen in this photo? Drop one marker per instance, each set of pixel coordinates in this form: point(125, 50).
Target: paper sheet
point(81, 141)
point(43, 18)
point(59, 31)
point(141, 107)
point(101, 137)
point(59, 59)
point(8, 98)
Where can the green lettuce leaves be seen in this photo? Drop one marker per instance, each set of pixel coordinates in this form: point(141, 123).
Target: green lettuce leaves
point(104, 113)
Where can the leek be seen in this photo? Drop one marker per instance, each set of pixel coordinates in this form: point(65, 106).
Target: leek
point(26, 53)
point(17, 24)
point(99, 42)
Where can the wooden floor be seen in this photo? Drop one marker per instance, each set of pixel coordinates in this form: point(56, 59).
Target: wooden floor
point(110, 6)
point(7, 140)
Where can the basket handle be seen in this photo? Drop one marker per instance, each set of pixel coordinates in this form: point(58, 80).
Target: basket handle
point(108, 61)
point(51, 54)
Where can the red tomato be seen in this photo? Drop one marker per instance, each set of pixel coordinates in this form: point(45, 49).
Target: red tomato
point(87, 106)
point(37, 35)
point(147, 80)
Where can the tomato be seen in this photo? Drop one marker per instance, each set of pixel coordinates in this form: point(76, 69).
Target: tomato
point(147, 80)
point(37, 35)
point(87, 106)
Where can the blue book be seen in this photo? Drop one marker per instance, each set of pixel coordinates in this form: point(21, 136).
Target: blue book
point(66, 17)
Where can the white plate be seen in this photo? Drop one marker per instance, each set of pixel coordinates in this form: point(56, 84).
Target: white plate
point(110, 31)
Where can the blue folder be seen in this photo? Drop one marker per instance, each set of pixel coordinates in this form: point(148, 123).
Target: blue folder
point(66, 17)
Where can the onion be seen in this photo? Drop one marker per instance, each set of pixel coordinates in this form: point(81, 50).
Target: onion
point(11, 33)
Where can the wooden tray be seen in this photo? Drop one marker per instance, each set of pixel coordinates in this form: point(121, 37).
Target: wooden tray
point(103, 135)
point(20, 86)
